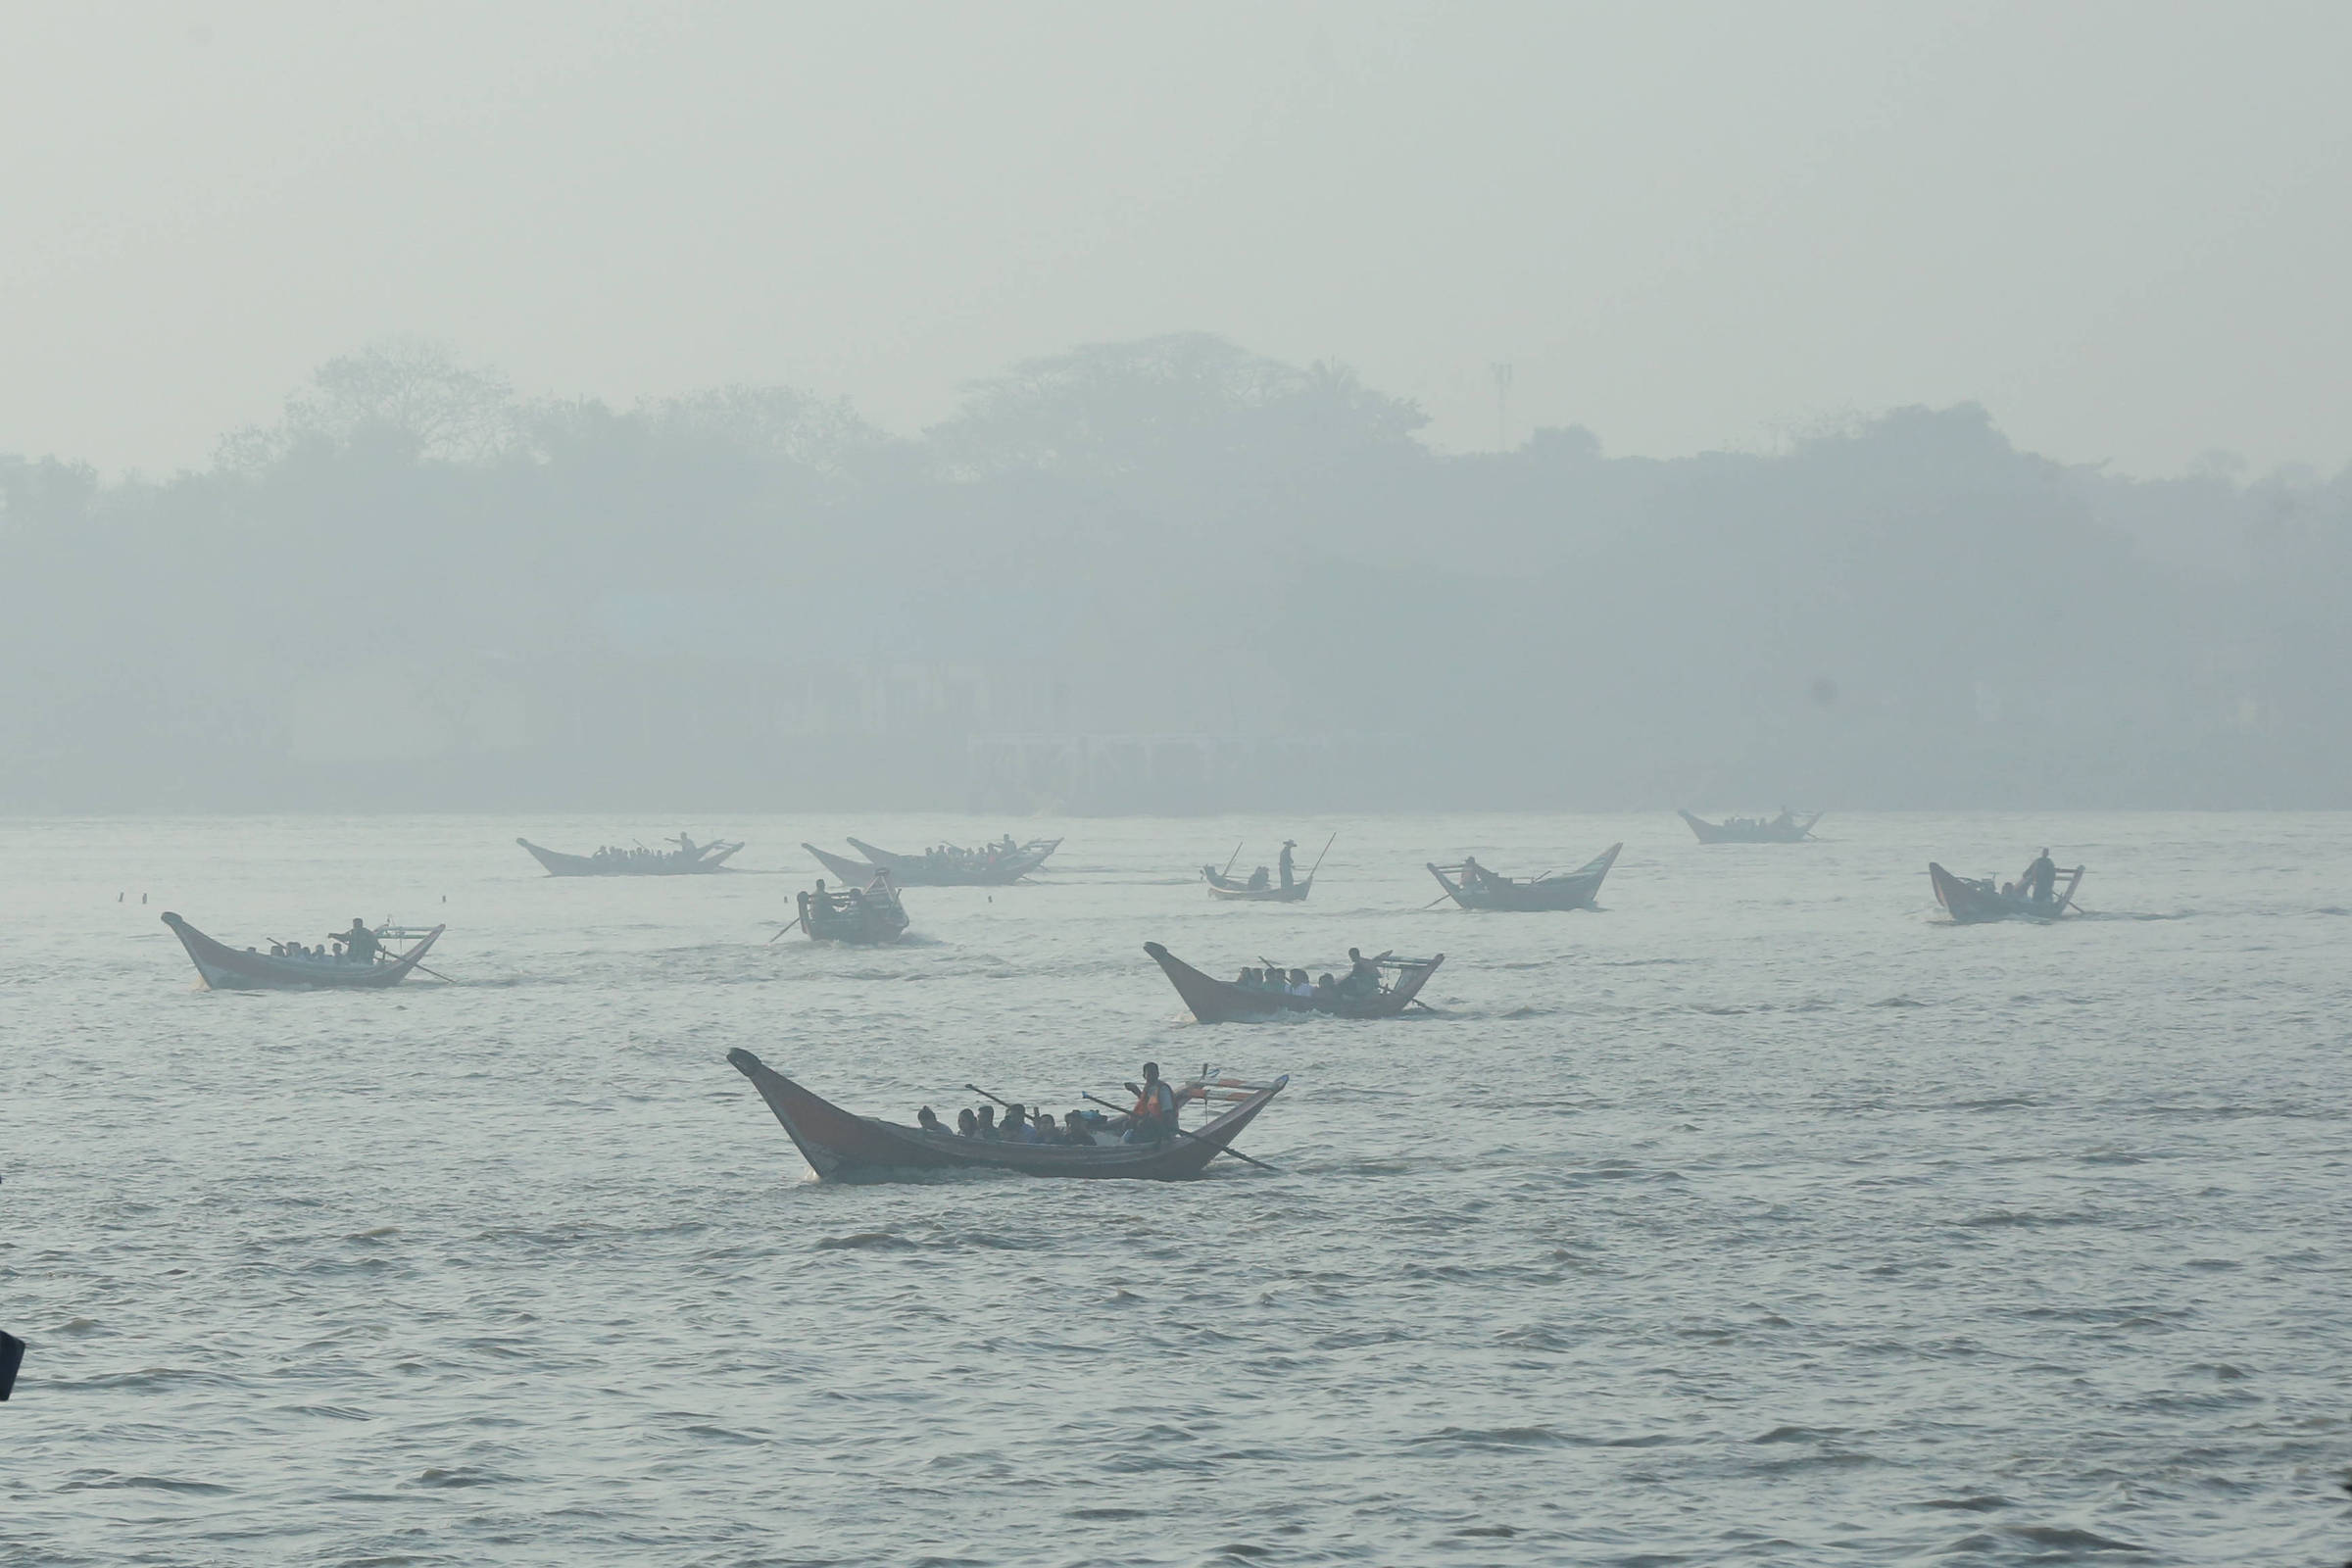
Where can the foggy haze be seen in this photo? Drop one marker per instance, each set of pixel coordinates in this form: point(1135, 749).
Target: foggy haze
point(1042, 408)
point(2119, 226)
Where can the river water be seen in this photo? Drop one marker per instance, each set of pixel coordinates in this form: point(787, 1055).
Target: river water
point(1761, 1217)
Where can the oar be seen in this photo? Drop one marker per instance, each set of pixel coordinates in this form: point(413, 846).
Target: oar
point(1237, 855)
point(435, 973)
point(1318, 865)
point(1223, 1148)
point(984, 1095)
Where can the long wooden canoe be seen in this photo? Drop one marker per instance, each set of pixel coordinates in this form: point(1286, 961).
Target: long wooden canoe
point(1783, 829)
point(1488, 890)
point(1215, 1001)
point(1973, 901)
point(227, 968)
point(1221, 885)
point(845, 1148)
point(705, 858)
point(963, 868)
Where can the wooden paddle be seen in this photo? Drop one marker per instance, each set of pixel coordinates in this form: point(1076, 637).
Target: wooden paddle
point(1318, 865)
point(1237, 855)
point(1223, 1148)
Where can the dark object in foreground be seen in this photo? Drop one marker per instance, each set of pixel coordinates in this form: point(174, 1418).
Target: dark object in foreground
point(226, 968)
point(1215, 1001)
point(950, 866)
point(11, 1357)
point(1785, 829)
point(845, 1147)
point(689, 859)
point(1473, 886)
point(1973, 901)
point(867, 916)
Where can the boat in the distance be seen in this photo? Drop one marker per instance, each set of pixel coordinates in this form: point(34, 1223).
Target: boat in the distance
point(1261, 886)
point(227, 968)
point(865, 916)
point(1473, 886)
point(1214, 1001)
point(1785, 829)
point(689, 859)
point(947, 866)
point(1973, 901)
point(842, 1147)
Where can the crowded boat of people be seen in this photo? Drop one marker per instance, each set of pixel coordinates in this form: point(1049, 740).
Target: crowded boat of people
point(1152, 1118)
point(358, 945)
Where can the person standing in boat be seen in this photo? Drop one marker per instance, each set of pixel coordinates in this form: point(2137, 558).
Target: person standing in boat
point(1288, 845)
point(358, 941)
point(1153, 1119)
point(2042, 877)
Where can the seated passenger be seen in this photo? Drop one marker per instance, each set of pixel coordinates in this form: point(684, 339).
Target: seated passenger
point(1260, 878)
point(1327, 991)
point(968, 1125)
point(1298, 984)
point(1042, 1126)
point(927, 1120)
point(1075, 1132)
point(988, 1123)
point(1015, 1128)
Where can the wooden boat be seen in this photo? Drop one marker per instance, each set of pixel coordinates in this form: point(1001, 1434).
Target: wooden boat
point(688, 859)
point(1972, 900)
point(1473, 886)
point(867, 916)
point(1242, 890)
point(1215, 1001)
point(1785, 829)
point(845, 1147)
point(958, 867)
point(227, 968)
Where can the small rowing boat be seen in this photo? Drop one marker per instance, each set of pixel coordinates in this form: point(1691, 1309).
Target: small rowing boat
point(227, 968)
point(1215, 1001)
point(1973, 901)
point(689, 859)
point(1259, 887)
point(841, 1146)
point(1473, 886)
point(1785, 829)
point(867, 916)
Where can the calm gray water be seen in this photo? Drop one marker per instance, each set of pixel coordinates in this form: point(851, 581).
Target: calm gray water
point(1761, 1217)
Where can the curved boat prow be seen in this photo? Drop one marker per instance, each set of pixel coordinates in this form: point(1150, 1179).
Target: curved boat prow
point(1210, 999)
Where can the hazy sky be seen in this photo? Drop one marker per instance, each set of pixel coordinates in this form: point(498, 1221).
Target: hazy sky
point(2122, 226)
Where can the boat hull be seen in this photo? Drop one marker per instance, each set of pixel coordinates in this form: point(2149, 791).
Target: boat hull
point(226, 968)
point(1214, 1001)
point(1577, 890)
point(1971, 902)
point(668, 863)
point(1224, 887)
point(1792, 832)
point(841, 1146)
point(919, 871)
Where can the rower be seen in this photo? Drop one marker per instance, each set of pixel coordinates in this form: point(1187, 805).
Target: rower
point(359, 941)
point(1288, 845)
point(2042, 877)
point(1153, 1119)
